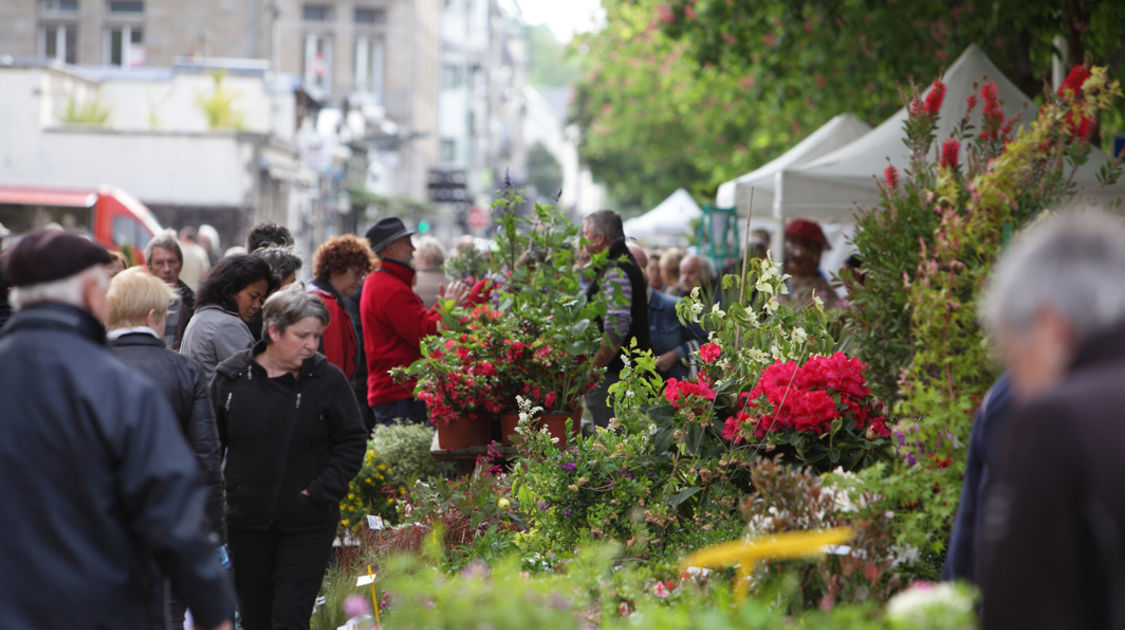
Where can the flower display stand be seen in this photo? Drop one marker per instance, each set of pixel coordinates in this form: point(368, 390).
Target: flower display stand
point(556, 424)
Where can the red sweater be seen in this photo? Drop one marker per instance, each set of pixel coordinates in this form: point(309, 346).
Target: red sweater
point(394, 322)
point(339, 337)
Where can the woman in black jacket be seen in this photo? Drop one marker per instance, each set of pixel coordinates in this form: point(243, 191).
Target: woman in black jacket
point(138, 308)
point(294, 440)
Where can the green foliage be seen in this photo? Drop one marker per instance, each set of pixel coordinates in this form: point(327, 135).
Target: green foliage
point(219, 107)
point(405, 449)
point(940, 361)
point(696, 92)
point(91, 112)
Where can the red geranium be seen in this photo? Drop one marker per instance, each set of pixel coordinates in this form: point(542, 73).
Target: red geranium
point(807, 398)
point(709, 352)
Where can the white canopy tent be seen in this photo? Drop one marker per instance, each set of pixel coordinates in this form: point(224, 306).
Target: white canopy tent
point(832, 135)
point(829, 188)
point(668, 222)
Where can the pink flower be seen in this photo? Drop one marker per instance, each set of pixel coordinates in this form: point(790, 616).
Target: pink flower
point(709, 352)
point(356, 606)
point(664, 14)
point(660, 589)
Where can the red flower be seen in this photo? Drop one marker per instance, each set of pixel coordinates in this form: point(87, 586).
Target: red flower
point(1074, 81)
point(891, 175)
point(679, 392)
point(949, 151)
point(932, 103)
point(709, 352)
point(732, 428)
point(664, 14)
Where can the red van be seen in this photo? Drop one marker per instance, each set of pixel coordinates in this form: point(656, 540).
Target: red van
point(112, 216)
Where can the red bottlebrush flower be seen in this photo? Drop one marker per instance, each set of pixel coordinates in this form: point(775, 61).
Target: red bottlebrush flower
point(709, 352)
point(890, 174)
point(970, 104)
point(1074, 81)
point(949, 152)
point(932, 103)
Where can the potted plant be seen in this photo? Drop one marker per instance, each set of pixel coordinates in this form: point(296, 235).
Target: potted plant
point(458, 378)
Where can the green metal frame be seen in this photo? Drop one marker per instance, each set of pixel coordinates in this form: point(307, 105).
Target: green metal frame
point(728, 245)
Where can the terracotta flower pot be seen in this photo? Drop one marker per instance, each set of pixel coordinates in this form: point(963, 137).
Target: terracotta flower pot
point(556, 424)
point(462, 434)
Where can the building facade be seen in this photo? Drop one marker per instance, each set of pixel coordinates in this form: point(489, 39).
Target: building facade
point(379, 57)
point(482, 105)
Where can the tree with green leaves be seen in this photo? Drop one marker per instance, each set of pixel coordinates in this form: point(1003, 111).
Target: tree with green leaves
point(695, 92)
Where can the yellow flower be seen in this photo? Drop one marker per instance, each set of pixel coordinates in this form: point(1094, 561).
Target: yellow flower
point(746, 554)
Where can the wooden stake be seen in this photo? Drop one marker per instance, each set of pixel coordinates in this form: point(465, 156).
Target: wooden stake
point(374, 600)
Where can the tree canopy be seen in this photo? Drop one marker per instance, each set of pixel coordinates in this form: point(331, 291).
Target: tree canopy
point(694, 92)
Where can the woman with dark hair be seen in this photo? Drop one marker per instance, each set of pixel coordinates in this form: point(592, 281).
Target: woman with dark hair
point(294, 440)
point(340, 265)
point(230, 296)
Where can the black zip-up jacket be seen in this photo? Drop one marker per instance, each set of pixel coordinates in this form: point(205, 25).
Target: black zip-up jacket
point(284, 435)
point(182, 382)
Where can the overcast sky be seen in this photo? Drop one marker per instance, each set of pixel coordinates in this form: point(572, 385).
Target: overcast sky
point(565, 17)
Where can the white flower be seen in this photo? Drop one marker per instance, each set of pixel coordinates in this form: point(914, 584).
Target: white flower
point(776, 353)
point(799, 335)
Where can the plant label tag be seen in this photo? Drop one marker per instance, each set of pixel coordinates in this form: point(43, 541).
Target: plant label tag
point(364, 580)
point(375, 522)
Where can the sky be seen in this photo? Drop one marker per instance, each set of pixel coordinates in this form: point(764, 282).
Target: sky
point(564, 17)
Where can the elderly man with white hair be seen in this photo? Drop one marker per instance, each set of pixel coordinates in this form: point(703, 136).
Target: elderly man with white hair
point(1053, 522)
point(95, 474)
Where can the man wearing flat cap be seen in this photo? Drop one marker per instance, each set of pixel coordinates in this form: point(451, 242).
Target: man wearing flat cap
point(394, 322)
point(96, 476)
point(804, 243)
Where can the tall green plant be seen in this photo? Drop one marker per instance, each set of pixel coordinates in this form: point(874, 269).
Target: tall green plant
point(91, 112)
point(982, 185)
point(219, 106)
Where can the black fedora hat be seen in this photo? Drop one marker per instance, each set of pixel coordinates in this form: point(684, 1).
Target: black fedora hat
point(386, 231)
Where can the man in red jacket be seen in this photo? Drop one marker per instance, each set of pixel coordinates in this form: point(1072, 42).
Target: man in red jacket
point(394, 322)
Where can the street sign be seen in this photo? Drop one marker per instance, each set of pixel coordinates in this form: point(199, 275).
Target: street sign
point(478, 218)
point(448, 185)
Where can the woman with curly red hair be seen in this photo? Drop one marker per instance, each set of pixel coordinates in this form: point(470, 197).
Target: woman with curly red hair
point(340, 266)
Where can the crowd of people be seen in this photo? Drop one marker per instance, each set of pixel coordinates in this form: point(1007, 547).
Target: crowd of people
point(152, 427)
point(202, 404)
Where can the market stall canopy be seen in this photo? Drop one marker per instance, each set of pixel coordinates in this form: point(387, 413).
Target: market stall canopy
point(668, 222)
point(831, 187)
point(832, 135)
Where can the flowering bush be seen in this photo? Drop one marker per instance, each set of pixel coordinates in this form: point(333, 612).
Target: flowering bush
point(927, 250)
point(458, 375)
point(366, 493)
point(822, 409)
point(533, 336)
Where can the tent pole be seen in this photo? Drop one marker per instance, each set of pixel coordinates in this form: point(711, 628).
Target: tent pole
point(745, 252)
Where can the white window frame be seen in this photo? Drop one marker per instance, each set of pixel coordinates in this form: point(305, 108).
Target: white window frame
point(369, 64)
point(58, 31)
point(323, 85)
point(127, 44)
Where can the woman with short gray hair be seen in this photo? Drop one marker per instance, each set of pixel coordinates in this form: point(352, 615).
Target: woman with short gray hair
point(294, 438)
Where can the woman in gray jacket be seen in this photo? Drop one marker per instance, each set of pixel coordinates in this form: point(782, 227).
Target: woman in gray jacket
point(230, 296)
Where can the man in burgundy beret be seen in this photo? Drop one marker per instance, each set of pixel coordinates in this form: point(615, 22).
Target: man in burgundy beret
point(804, 243)
point(96, 476)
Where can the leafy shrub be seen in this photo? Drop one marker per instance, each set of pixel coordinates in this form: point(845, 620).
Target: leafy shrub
point(397, 456)
point(928, 250)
